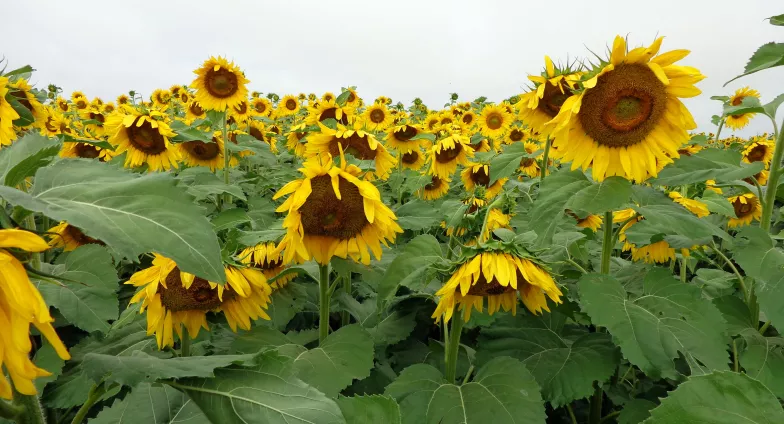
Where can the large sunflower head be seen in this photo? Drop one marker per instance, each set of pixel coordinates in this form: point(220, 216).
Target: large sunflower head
point(145, 137)
point(478, 175)
point(377, 117)
point(499, 277)
point(219, 84)
point(269, 259)
point(331, 212)
point(20, 306)
point(737, 122)
point(288, 105)
point(400, 138)
point(747, 209)
point(435, 189)
point(359, 143)
point(628, 119)
point(69, 237)
point(760, 150)
point(447, 152)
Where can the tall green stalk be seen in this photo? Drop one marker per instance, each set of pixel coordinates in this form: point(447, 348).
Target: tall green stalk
point(33, 414)
point(185, 344)
point(773, 179)
point(323, 302)
point(345, 317)
point(608, 242)
point(9, 411)
point(545, 159)
point(453, 346)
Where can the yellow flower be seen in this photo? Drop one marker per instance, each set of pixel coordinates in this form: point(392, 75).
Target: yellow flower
point(759, 151)
point(21, 305)
point(529, 166)
point(329, 109)
point(594, 222)
point(694, 206)
point(498, 276)
point(468, 120)
point(122, 99)
point(448, 152)
point(69, 237)
point(377, 117)
point(22, 91)
point(331, 212)
point(539, 106)
point(412, 160)
point(495, 219)
point(261, 107)
point(296, 141)
point(194, 111)
point(145, 137)
point(478, 175)
point(85, 150)
point(267, 258)
point(199, 153)
point(628, 120)
point(711, 185)
point(288, 105)
point(737, 122)
point(161, 98)
point(747, 209)
point(435, 189)
point(7, 115)
point(219, 84)
point(240, 112)
point(359, 143)
point(399, 138)
point(494, 121)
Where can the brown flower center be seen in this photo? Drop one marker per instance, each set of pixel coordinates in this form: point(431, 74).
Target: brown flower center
point(467, 119)
point(81, 104)
point(77, 235)
point(87, 151)
point(200, 296)
point(435, 183)
point(184, 97)
point(291, 104)
point(552, 99)
point(331, 113)
point(483, 288)
point(407, 133)
point(146, 138)
point(63, 106)
point(377, 116)
point(97, 117)
point(323, 214)
point(221, 83)
point(757, 153)
point(255, 132)
point(410, 157)
point(516, 135)
point(526, 162)
point(201, 150)
point(447, 154)
point(260, 107)
point(446, 120)
point(196, 109)
point(357, 146)
point(494, 120)
point(480, 177)
point(241, 108)
point(742, 209)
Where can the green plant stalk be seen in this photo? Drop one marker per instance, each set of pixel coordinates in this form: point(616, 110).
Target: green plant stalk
point(741, 281)
point(31, 409)
point(226, 154)
point(545, 159)
point(92, 397)
point(345, 317)
point(453, 346)
point(9, 411)
point(773, 179)
point(323, 302)
point(608, 242)
point(487, 214)
point(185, 344)
point(683, 269)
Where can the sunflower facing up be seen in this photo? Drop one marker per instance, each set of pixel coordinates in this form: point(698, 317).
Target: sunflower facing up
point(628, 120)
point(747, 209)
point(219, 84)
point(494, 121)
point(62, 105)
point(7, 115)
point(377, 117)
point(450, 150)
point(329, 109)
point(400, 138)
point(331, 212)
point(161, 98)
point(69, 237)
point(173, 299)
point(478, 175)
point(499, 276)
point(288, 105)
point(145, 136)
point(261, 107)
point(737, 122)
point(359, 143)
point(551, 89)
point(21, 305)
point(267, 258)
point(435, 189)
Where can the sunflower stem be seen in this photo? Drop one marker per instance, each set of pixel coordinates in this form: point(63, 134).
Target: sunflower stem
point(735, 365)
point(345, 317)
point(185, 344)
point(773, 178)
point(453, 346)
point(92, 397)
point(741, 281)
point(545, 159)
point(571, 413)
point(683, 269)
point(718, 132)
point(595, 416)
point(607, 242)
point(31, 409)
point(323, 302)
point(5, 220)
point(226, 154)
point(764, 327)
point(9, 411)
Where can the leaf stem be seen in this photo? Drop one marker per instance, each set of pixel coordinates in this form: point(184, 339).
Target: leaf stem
point(741, 281)
point(323, 302)
point(31, 409)
point(9, 411)
point(773, 178)
point(683, 269)
point(571, 413)
point(185, 344)
point(735, 366)
point(468, 374)
point(226, 154)
point(576, 265)
point(453, 346)
point(612, 414)
point(764, 327)
point(92, 397)
point(595, 416)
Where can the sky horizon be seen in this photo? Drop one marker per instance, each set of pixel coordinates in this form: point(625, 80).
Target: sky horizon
point(402, 50)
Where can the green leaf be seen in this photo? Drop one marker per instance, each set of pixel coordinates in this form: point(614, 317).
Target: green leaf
point(652, 329)
point(771, 107)
point(763, 360)
point(507, 162)
point(133, 214)
point(417, 215)
point(412, 264)
point(502, 392)
point(607, 195)
point(777, 20)
point(46, 358)
point(767, 56)
point(671, 219)
point(369, 409)
point(188, 133)
point(708, 164)
point(22, 158)
point(548, 211)
point(87, 294)
point(749, 104)
point(25, 116)
point(722, 397)
point(152, 404)
point(635, 411)
point(717, 203)
point(203, 184)
point(268, 393)
point(565, 360)
point(342, 98)
point(98, 143)
point(230, 218)
point(759, 257)
point(19, 71)
point(140, 367)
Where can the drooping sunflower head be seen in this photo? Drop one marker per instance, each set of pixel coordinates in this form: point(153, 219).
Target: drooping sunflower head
point(288, 105)
point(145, 136)
point(448, 152)
point(400, 138)
point(739, 121)
point(357, 142)
point(296, 141)
point(219, 84)
point(412, 160)
point(199, 153)
point(435, 189)
point(628, 120)
point(331, 212)
point(499, 277)
point(69, 237)
point(747, 209)
point(551, 89)
point(269, 259)
point(161, 98)
point(478, 175)
point(377, 117)
point(694, 206)
point(759, 151)
point(593, 222)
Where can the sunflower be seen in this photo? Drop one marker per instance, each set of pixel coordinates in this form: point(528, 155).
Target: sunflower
point(296, 141)
point(529, 166)
point(628, 120)
point(435, 189)
point(54, 123)
point(494, 121)
point(711, 185)
point(432, 122)
point(412, 160)
point(761, 178)
point(21, 305)
point(123, 99)
point(445, 119)
point(399, 138)
point(108, 108)
point(69, 237)
point(194, 111)
point(328, 97)
point(267, 258)
point(658, 252)
point(478, 175)
point(737, 122)
point(329, 109)
point(377, 117)
point(468, 119)
point(447, 153)
point(161, 98)
point(747, 209)
point(240, 112)
point(482, 146)
point(288, 105)
point(496, 219)
point(174, 299)
point(199, 153)
point(515, 135)
point(145, 137)
point(85, 150)
point(62, 105)
point(22, 91)
point(219, 84)
point(552, 88)
point(759, 151)
point(498, 276)
point(331, 212)
point(261, 107)
point(353, 99)
point(360, 144)
point(593, 222)
point(77, 95)
point(694, 206)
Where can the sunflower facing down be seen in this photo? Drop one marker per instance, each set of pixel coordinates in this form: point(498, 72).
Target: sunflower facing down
point(400, 138)
point(359, 143)
point(219, 84)
point(7, 116)
point(412, 160)
point(267, 258)
point(331, 212)
point(435, 189)
point(69, 237)
point(628, 120)
point(145, 137)
point(737, 122)
point(173, 299)
point(447, 153)
point(658, 252)
point(496, 219)
point(694, 206)
point(199, 153)
point(21, 305)
point(593, 222)
point(478, 175)
point(538, 107)
point(747, 209)
point(498, 276)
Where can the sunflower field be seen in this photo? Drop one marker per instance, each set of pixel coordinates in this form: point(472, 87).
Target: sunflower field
point(576, 253)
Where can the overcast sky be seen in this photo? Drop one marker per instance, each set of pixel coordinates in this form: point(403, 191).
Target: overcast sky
point(401, 49)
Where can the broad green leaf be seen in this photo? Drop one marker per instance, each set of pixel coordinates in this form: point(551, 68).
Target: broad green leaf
point(708, 164)
point(669, 319)
point(286, 302)
point(87, 294)
point(635, 411)
point(763, 359)
point(46, 358)
point(25, 116)
point(722, 397)
point(97, 143)
point(502, 392)
point(767, 56)
point(749, 104)
point(385, 329)
point(759, 257)
point(671, 219)
point(417, 215)
point(715, 282)
point(22, 158)
point(230, 218)
point(717, 203)
point(140, 367)
point(772, 106)
point(413, 264)
point(268, 393)
point(564, 361)
point(133, 214)
point(252, 238)
point(189, 133)
point(777, 20)
point(152, 404)
point(369, 409)
point(507, 162)
point(554, 195)
point(607, 195)
point(202, 185)
point(259, 338)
